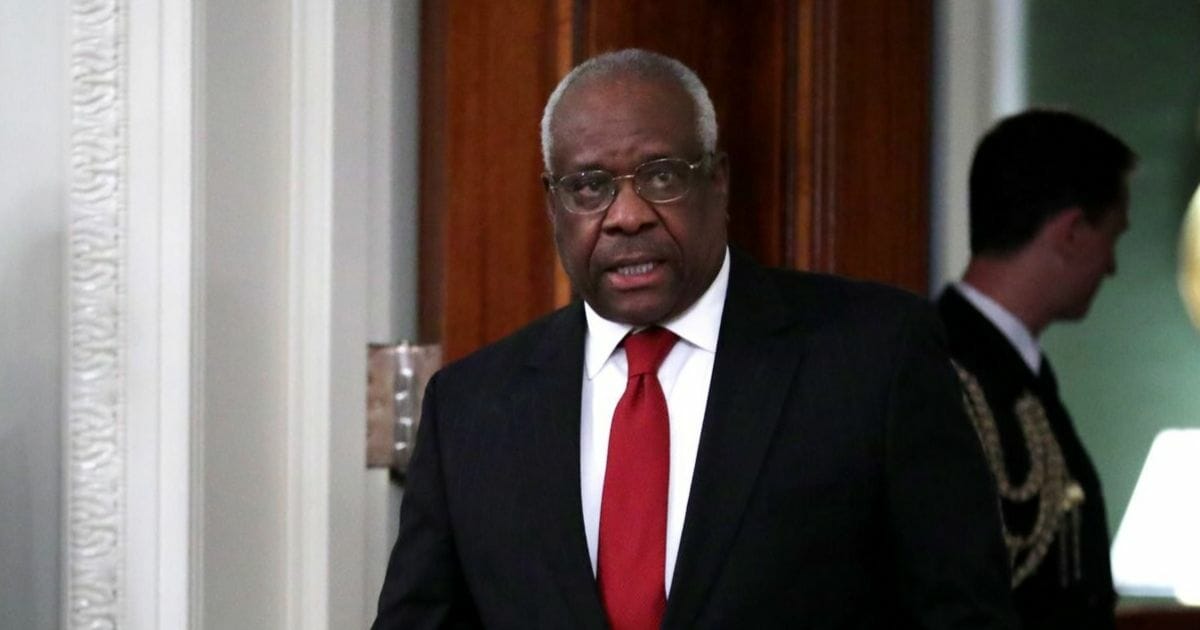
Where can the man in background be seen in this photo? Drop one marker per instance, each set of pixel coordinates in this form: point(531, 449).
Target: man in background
point(1049, 198)
point(698, 442)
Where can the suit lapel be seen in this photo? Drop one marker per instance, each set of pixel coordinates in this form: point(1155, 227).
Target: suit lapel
point(753, 368)
point(548, 395)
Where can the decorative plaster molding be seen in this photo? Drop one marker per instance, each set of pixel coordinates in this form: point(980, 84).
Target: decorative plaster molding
point(96, 313)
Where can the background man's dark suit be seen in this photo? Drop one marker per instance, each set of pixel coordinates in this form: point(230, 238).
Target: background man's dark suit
point(1042, 599)
point(838, 483)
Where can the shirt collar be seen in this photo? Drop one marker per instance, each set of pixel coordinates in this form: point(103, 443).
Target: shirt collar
point(699, 325)
point(1009, 325)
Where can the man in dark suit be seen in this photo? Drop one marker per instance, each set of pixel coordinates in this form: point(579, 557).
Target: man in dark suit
point(1049, 198)
point(699, 442)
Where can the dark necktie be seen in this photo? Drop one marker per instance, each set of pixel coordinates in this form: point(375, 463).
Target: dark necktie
point(1046, 383)
point(633, 510)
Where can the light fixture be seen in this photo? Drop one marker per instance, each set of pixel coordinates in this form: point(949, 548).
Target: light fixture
point(1156, 552)
point(1189, 260)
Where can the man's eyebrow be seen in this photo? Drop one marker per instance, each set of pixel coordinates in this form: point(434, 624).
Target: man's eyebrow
point(588, 166)
point(597, 166)
point(657, 156)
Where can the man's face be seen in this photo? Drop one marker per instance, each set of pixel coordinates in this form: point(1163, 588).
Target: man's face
point(637, 262)
point(1096, 258)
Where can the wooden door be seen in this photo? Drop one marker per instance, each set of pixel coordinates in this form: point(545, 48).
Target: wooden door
point(822, 107)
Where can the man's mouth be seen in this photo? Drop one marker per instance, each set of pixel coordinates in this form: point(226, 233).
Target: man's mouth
point(636, 276)
point(636, 269)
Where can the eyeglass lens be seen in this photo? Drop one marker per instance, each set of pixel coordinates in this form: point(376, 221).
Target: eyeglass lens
point(657, 181)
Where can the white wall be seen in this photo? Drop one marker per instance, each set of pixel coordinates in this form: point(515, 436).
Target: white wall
point(32, 201)
point(978, 76)
point(245, 127)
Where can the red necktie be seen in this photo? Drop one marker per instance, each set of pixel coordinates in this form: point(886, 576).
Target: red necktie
point(633, 510)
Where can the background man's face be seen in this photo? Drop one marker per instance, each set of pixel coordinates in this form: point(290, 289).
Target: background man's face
point(636, 263)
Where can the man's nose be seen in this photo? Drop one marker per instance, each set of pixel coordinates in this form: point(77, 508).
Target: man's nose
point(628, 212)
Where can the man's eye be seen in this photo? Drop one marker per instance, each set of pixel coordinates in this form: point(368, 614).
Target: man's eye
point(588, 186)
point(662, 178)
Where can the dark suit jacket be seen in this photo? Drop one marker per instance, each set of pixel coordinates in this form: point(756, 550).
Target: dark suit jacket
point(1043, 600)
point(838, 483)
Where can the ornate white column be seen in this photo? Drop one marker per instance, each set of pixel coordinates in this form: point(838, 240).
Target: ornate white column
point(127, 473)
point(96, 254)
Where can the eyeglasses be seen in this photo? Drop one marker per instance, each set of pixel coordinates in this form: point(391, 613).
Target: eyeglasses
point(657, 181)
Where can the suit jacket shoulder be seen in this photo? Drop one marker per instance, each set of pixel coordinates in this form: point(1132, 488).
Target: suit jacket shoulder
point(494, 366)
point(821, 302)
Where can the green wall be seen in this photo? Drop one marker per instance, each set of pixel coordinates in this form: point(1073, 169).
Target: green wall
point(1133, 366)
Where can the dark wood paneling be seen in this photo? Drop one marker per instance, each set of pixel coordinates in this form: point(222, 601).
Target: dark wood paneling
point(871, 118)
point(487, 260)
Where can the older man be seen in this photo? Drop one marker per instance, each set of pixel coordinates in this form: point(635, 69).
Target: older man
point(699, 442)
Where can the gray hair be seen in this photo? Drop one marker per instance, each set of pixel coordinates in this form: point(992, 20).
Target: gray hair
point(642, 64)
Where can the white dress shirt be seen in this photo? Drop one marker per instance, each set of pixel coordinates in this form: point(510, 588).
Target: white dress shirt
point(1013, 329)
point(685, 375)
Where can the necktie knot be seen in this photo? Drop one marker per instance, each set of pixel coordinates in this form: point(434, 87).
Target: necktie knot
point(646, 350)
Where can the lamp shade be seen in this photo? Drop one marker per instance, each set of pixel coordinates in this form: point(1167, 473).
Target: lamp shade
point(1156, 552)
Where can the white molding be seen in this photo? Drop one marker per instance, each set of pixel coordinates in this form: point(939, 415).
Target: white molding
point(96, 320)
point(382, 197)
point(195, 449)
point(329, 243)
point(351, 307)
point(131, 314)
point(160, 369)
point(309, 321)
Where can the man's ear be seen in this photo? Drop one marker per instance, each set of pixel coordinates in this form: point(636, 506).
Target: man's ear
point(1063, 231)
point(548, 195)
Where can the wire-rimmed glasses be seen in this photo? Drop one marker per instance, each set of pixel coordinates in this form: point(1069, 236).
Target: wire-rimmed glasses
point(657, 181)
